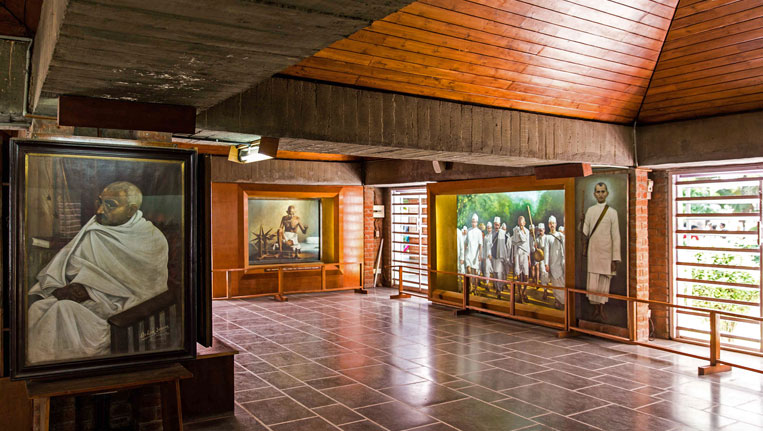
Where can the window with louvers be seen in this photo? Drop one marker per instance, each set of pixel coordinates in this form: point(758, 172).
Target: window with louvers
point(717, 254)
point(409, 237)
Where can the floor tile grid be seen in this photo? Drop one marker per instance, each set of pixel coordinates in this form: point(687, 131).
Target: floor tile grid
point(339, 403)
point(296, 420)
point(295, 328)
point(381, 318)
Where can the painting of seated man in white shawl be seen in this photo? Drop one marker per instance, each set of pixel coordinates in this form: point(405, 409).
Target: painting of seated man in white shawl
point(103, 256)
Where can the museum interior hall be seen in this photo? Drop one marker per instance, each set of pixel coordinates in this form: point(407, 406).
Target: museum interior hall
point(397, 215)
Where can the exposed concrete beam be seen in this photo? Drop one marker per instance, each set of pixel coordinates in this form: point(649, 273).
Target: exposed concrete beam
point(277, 171)
point(716, 140)
point(48, 31)
point(320, 117)
point(181, 52)
point(390, 172)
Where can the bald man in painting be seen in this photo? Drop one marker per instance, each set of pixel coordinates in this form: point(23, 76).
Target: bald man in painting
point(116, 261)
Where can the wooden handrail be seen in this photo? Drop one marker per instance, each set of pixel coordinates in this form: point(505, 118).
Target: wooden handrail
point(281, 268)
point(716, 363)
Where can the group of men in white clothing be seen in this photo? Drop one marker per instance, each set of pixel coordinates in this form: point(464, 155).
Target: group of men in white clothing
point(494, 252)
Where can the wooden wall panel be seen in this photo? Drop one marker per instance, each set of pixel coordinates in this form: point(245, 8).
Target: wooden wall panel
point(711, 63)
point(226, 226)
point(346, 236)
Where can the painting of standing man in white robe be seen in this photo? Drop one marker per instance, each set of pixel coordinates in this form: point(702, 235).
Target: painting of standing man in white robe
point(102, 256)
point(601, 210)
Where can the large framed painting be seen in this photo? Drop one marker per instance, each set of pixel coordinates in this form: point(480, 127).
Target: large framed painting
point(601, 211)
point(284, 230)
point(514, 236)
point(103, 244)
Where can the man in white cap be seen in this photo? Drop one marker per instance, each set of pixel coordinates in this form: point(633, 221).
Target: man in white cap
point(460, 239)
point(602, 231)
point(553, 256)
point(539, 267)
point(487, 251)
point(520, 241)
point(499, 252)
point(473, 247)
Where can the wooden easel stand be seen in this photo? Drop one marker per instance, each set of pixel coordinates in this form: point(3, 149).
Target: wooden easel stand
point(168, 377)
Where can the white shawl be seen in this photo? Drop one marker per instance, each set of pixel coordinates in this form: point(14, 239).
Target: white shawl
point(128, 261)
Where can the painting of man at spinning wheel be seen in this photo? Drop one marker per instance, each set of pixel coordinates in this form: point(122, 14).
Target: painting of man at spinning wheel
point(284, 230)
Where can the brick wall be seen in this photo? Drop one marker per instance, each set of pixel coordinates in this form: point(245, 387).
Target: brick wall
point(638, 247)
point(659, 252)
point(371, 196)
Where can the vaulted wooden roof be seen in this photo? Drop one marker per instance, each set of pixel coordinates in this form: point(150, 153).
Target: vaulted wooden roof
point(581, 58)
point(711, 63)
point(615, 61)
point(593, 59)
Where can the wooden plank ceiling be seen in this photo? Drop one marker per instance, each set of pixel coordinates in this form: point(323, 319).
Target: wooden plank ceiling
point(589, 59)
point(19, 18)
point(711, 63)
point(192, 52)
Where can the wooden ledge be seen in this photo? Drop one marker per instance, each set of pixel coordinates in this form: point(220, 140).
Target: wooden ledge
point(107, 382)
point(217, 349)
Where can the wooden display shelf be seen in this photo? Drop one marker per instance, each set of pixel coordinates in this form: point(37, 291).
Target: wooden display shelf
point(168, 377)
point(209, 393)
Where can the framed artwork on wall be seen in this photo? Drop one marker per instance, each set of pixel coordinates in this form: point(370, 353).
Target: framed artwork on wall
point(515, 239)
point(284, 230)
point(601, 213)
point(103, 251)
point(514, 236)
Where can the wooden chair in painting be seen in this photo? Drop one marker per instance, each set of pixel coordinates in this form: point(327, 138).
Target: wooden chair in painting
point(155, 324)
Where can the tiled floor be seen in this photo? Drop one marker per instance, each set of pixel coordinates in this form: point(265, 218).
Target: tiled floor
point(355, 362)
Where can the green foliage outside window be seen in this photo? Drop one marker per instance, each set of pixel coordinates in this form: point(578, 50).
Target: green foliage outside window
point(723, 292)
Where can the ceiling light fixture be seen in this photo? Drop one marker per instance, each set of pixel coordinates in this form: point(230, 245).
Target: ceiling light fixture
point(259, 150)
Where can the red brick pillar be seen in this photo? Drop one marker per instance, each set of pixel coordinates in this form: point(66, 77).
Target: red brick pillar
point(638, 248)
point(370, 240)
point(659, 252)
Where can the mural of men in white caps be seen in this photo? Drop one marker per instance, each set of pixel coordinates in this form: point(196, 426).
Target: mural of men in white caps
point(602, 247)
